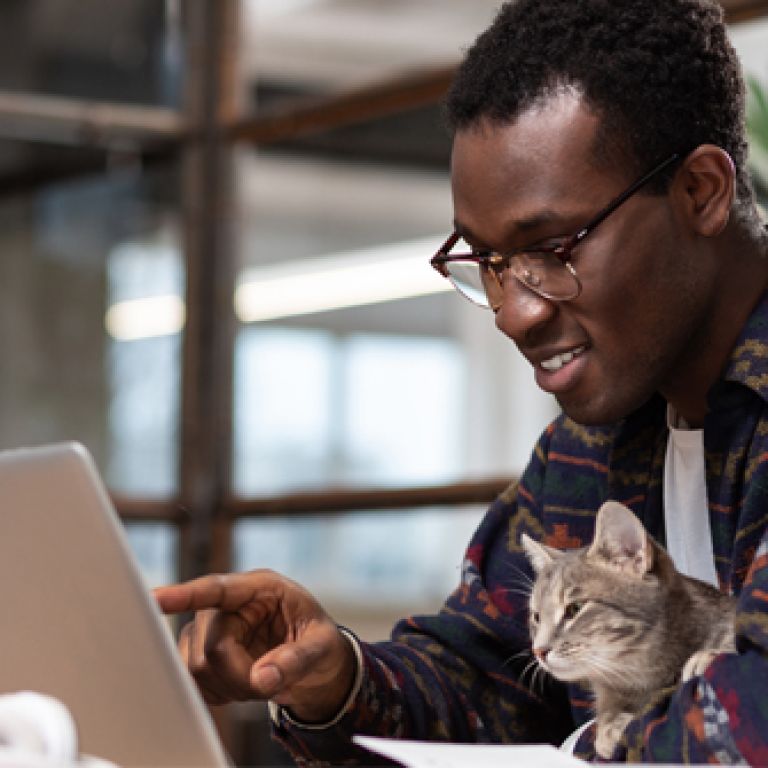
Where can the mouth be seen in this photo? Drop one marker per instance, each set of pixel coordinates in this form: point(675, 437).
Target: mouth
point(558, 668)
point(562, 371)
point(556, 362)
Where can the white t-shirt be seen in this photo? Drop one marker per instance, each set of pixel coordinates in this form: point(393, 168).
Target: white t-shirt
point(686, 514)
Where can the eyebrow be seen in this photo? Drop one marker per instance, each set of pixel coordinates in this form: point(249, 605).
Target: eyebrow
point(518, 226)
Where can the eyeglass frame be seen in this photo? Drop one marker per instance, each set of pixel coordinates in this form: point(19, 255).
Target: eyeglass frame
point(498, 262)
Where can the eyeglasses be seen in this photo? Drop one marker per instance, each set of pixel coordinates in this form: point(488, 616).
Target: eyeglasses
point(545, 269)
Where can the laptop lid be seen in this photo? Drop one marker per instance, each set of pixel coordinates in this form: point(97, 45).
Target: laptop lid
point(79, 623)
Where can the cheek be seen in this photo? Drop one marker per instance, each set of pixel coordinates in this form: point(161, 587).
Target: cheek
point(638, 330)
point(618, 300)
point(631, 268)
point(636, 320)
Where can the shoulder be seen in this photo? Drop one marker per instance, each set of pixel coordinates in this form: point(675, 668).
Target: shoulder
point(565, 444)
point(568, 467)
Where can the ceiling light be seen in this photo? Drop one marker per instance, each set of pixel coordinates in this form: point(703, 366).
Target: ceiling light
point(324, 284)
point(145, 318)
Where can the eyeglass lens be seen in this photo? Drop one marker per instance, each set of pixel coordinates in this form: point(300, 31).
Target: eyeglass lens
point(542, 272)
point(467, 278)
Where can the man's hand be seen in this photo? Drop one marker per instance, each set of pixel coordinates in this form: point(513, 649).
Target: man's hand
point(259, 635)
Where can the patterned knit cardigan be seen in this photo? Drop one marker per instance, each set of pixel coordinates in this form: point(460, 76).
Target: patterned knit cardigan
point(457, 676)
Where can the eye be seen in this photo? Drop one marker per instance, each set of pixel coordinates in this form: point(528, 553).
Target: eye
point(535, 617)
point(481, 252)
point(572, 609)
point(551, 244)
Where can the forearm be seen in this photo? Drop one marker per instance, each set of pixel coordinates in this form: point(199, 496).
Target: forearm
point(420, 687)
point(458, 675)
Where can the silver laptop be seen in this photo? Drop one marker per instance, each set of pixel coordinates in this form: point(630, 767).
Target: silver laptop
point(78, 622)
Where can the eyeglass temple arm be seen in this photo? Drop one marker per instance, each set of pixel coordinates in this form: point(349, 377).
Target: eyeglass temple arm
point(622, 198)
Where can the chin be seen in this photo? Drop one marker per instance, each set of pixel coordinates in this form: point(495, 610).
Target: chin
point(585, 414)
point(598, 412)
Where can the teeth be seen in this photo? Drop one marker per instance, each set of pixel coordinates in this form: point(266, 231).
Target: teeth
point(556, 362)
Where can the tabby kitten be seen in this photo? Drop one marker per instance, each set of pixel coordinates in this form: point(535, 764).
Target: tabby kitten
point(619, 617)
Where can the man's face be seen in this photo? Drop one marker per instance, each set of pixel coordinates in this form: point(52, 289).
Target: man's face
point(645, 296)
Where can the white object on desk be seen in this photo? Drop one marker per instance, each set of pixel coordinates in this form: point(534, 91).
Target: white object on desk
point(37, 731)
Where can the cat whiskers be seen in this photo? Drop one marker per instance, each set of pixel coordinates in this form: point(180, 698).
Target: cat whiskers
point(612, 671)
point(538, 674)
point(524, 585)
point(518, 655)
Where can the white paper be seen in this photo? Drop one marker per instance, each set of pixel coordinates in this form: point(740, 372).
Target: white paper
point(431, 754)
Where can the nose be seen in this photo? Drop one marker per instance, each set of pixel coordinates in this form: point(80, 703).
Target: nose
point(541, 653)
point(521, 310)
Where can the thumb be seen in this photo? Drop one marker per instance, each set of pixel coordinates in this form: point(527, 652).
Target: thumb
point(312, 676)
point(285, 665)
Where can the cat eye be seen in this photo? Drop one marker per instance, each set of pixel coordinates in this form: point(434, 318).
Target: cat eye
point(572, 609)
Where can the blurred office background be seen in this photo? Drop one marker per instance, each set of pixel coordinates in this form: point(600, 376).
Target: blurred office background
point(216, 218)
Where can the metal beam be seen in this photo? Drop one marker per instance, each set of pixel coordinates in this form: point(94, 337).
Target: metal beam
point(325, 502)
point(369, 499)
point(31, 117)
point(362, 105)
point(737, 11)
point(207, 192)
point(72, 122)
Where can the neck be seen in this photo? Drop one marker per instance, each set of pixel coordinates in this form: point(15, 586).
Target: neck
point(738, 287)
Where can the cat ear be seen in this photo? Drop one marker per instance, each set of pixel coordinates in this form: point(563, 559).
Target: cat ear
point(621, 541)
point(539, 554)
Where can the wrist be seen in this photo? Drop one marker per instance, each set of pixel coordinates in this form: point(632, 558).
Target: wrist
point(309, 719)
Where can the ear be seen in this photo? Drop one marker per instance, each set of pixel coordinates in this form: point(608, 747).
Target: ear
point(704, 186)
point(620, 541)
point(539, 554)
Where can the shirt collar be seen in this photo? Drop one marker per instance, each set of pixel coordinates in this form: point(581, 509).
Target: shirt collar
point(748, 363)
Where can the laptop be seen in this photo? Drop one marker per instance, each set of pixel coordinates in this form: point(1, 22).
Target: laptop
point(79, 624)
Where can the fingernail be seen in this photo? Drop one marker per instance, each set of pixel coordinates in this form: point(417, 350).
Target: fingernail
point(267, 678)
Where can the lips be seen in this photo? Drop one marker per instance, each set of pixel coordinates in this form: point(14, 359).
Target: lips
point(556, 362)
point(562, 371)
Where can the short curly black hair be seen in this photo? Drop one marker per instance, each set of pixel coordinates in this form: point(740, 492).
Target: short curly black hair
point(661, 74)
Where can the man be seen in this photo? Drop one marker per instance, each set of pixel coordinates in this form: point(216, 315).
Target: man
point(600, 189)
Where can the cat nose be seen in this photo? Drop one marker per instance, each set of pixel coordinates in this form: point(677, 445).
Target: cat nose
point(541, 653)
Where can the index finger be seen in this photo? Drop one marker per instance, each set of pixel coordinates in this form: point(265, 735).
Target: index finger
point(227, 592)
